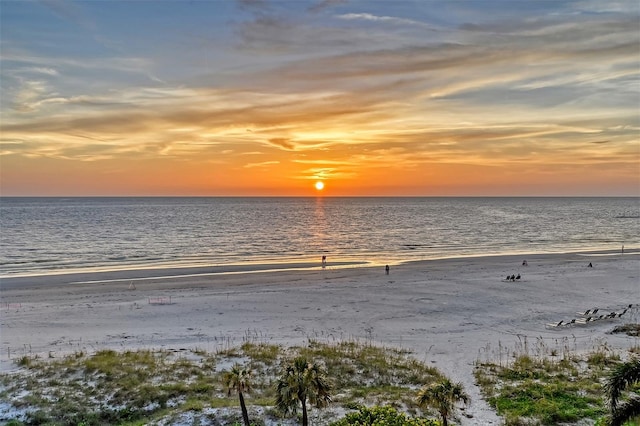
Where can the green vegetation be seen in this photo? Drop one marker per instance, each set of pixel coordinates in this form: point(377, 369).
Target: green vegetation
point(238, 380)
point(365, 374)
point(374, 385)
point(302, 381)
point(625, 377)
point(142, 387)
point(382, 416)
point(548, 390)
point(443, 396)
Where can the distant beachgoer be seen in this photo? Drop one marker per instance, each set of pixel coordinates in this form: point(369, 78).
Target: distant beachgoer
point(513, 278)
point(623, 249)
point(518, 277)
point(324, 261)
point(386, 269)
point(590, 265)
point(524, 263)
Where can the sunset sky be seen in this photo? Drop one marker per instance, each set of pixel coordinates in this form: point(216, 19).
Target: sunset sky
point(259, 97)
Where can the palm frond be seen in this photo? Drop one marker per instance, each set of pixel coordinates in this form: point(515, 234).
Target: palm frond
point(621, 378)
point(442, 396)
point(627, 410)
point(300, 381)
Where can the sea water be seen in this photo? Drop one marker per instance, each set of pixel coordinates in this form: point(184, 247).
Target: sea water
point(49, 235)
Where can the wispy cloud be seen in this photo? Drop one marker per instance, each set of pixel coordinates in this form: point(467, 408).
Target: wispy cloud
point(262, 164)
point(385, 20)
point(42, 70)
point(30, 94)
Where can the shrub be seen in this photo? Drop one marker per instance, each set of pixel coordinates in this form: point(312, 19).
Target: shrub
point(382, 416)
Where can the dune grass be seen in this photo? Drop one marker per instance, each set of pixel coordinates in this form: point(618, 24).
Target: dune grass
point(528, 384)
point(133, 387)
point(547, 388)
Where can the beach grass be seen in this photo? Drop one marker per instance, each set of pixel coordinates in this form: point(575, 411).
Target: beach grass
point(548, 389)
point(533, 384)
point(143, 386)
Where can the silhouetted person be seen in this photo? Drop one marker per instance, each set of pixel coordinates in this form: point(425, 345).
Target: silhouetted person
point(324, 261)
point(590, 265)
point(518, 277)
point(524, 263)
point(513, 277)
point(386, 269)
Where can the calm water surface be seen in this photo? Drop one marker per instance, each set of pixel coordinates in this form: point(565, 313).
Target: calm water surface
point(44, 235)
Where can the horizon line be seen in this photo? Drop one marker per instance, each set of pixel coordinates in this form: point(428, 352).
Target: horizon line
point(319, 196)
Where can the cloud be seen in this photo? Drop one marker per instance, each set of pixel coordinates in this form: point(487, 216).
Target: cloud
point(280, 34)
point(16, 61)
point(267, 34)
point(262, 164)
point(29, 95)
point(326, 4)
point(324, 162)
point(42, 70)
point(385, 20)
point(282, 143)
point(612, 6)
point(326, 173)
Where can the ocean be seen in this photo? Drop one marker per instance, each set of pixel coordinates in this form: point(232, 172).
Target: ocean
point(40, 236)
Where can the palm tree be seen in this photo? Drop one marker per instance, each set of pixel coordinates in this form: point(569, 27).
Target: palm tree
point(301, 381)
point(621, 378)
point(239, 380)
point(442, 396)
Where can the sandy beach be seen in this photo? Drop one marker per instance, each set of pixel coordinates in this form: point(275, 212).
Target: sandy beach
point(449, 312)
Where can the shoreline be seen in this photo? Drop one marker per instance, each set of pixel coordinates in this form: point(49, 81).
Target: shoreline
point(150, 272)
point(449, 312)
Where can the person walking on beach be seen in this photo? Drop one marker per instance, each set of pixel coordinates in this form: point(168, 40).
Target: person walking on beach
point(386, 269)
point(324, 261)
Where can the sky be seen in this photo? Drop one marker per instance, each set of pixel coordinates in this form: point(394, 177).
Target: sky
point(373, 98)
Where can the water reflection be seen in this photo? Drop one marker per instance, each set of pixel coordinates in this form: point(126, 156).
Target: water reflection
point(320, 227)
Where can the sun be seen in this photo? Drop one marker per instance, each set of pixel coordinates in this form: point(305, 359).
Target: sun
point(319, 185)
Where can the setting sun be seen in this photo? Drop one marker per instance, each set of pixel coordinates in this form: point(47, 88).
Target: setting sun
point(319, 186)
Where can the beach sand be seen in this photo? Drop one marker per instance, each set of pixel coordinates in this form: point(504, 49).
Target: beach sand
point(450, 312)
